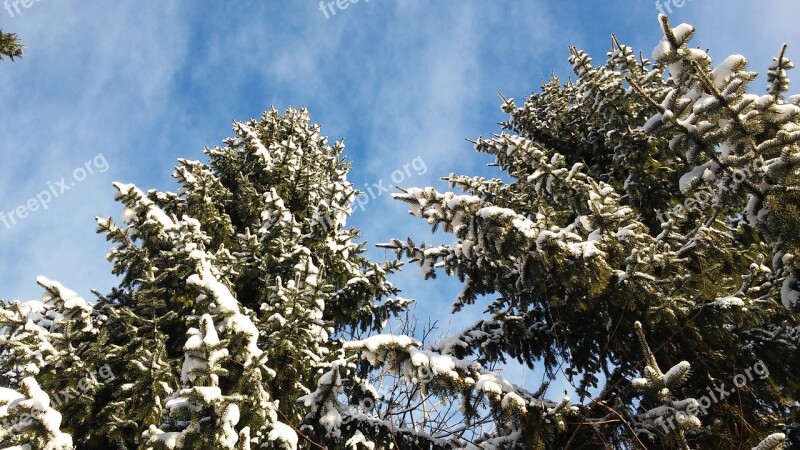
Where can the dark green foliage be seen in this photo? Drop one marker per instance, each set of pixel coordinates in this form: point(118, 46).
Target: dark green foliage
point(10, 46)
point(660, 193)
point(234, 291)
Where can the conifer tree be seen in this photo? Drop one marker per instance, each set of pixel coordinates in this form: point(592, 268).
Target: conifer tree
point(236, 292)
point(10, 46)
point(656, 192)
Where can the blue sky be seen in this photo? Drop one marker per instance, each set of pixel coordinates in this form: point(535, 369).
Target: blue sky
point(146, 82)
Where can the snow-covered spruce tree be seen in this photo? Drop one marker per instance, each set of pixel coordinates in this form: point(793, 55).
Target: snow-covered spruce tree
point(236, 292)
point(48, 346)
point(655, 192)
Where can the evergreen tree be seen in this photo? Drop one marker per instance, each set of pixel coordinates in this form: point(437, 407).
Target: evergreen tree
point(10, 46)
point(236, 292)
point(660, 193)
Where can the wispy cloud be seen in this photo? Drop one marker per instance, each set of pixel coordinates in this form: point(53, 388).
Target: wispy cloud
point(145, 83)
point(83, 88)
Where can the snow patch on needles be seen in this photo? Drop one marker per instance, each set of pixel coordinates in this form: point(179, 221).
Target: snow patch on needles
point(32, 406)
point(226, 304)
point(283, 434)
point(790, 293)
point(152, 212)
point(250, 137)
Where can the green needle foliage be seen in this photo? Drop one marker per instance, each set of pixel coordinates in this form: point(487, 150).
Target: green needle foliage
point(659, 193)
point(10, 46)
point(235, 293)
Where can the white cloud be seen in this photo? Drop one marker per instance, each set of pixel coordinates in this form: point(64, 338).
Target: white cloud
point(87, 84)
